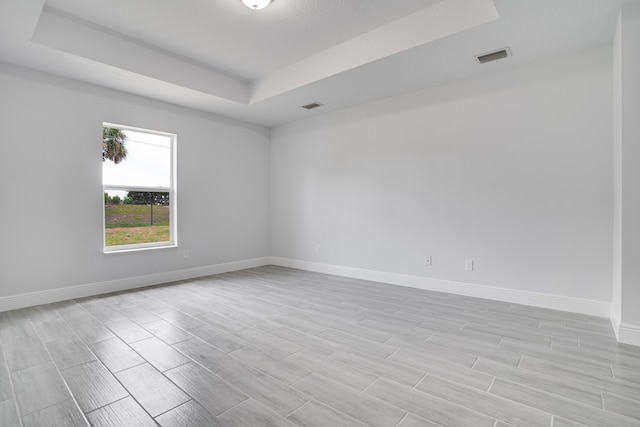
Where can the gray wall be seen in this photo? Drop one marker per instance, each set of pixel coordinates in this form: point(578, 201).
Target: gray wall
point(626, 234)
point(512, 170)
point(50, 172)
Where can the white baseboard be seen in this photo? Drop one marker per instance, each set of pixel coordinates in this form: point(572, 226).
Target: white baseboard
point(536, 299)
point(628, 334)
point(45, 297)
point(614, 316)
point(625, 333)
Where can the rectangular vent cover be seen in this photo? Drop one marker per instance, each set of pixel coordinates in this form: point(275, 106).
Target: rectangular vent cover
point(312, 105)
point(493, 56)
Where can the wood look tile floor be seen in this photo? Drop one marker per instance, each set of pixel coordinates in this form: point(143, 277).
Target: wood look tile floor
point(272, 346)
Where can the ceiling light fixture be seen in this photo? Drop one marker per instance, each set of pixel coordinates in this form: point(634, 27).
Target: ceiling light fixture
point(256, 4)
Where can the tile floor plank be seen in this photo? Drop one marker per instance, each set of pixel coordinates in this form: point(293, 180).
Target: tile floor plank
point(248, 320)
point(139, 314)
point(189, 414)
point(49, 324)
point(116, 355)
point(501, 330)
point(128, 331)
point(299, 324)
point(181, 319)
point(415, 421)
point(485, 403)
point(429, 407)
point(380, 367)
point(218, 338)
point(486, 351)
point(266, 390)
point(6, 392)
point(206, 388)
point(622, 405)
point(9, 414)
point(581, 413)
point(541, 381)
point(630, 375)
point(251, 413)
point(155, 393)
point(599, 355)
point(63, 414)
point(357, 330)
point(123, 413)
point(69, 351)
point(38, 387)
point(205, 354)
point(93, 386)
point(444, 369)
point(274, 332)
point(268, 343)
point(283, 370)
point(25, 353)
point(102, 312)
point(310, 342)
point(315, 414)
point(581, 376)
point(222, 322)
point(89, 329)
point(350, 342)
point(561, 422)
point(160, 355)
point(465, 358)
point(362, 407)
point(333, 368)
point(167, 332)
point(15, 326)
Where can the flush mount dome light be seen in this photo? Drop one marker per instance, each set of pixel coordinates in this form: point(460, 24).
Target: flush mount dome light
point(256, 4)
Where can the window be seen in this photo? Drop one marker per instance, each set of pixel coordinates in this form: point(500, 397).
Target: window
point(138, 184)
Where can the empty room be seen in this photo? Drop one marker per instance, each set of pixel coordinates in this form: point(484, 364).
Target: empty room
point(320, 213)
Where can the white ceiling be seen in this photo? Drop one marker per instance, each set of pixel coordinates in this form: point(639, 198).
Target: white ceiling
point(225, 35)
point(261, 66)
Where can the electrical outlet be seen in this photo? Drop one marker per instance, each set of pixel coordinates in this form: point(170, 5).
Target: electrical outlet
point(468, 264)
point(185, 254)
point(428, 261)
point(318, 250)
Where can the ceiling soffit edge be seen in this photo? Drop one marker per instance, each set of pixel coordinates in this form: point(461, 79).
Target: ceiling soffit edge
point(68, 34)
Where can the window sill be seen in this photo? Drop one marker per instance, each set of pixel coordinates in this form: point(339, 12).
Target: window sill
point(108, 251)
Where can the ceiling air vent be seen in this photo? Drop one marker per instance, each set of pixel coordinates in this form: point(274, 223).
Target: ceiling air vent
point(493, 56)
point(312, 105)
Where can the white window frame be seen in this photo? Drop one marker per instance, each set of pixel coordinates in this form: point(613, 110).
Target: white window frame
point(173, 205)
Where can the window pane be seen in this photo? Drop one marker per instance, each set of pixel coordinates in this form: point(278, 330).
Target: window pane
point(147, 162)
point(138, 180)
point(135, 217)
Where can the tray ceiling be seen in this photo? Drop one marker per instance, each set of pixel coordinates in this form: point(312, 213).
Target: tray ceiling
point(261, 66)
